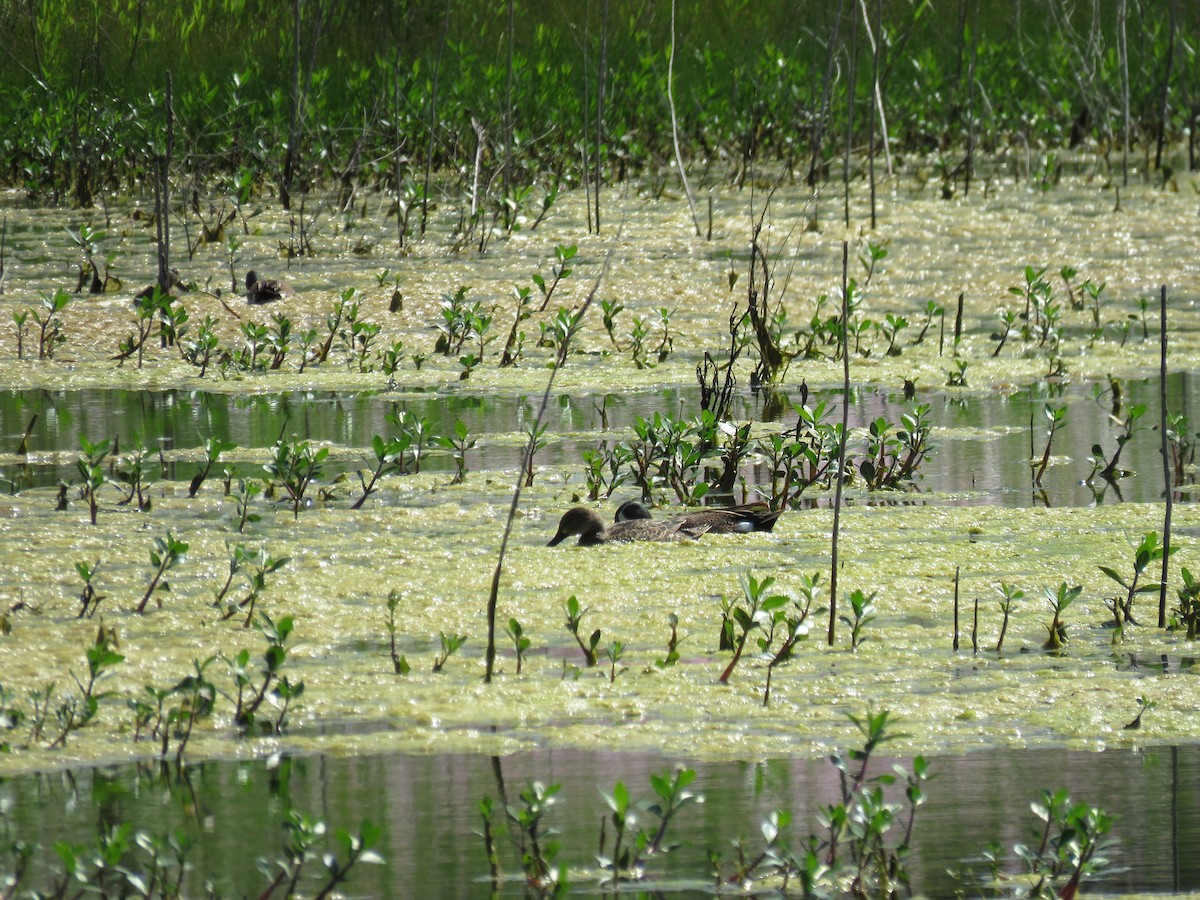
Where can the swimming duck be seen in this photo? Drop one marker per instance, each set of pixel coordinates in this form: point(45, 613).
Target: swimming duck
point(590, 527)
point(264, 290)
point(714, 520)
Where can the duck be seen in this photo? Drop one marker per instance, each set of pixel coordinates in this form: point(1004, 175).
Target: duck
point(591, 530)
point(714, 520)
point(264, 290)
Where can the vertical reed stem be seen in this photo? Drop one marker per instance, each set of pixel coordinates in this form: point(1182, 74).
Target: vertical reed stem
point(841, 468)
point(1166, 457)
point(956, 609)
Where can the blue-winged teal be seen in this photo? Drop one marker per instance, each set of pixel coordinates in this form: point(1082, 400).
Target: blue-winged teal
point(590, 527)
point(264, 290)
point(714, 520)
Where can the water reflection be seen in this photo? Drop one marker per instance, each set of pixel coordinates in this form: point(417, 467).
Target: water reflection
point(428, 807)
point(984, 442)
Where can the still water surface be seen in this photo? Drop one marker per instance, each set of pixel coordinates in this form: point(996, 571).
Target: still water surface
point(428, 807)
point(983, 442)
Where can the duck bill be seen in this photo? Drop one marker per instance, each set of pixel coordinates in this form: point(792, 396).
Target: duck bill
point(557, 539)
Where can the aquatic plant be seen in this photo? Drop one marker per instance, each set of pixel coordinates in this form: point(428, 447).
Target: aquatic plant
point(459, 442)
point(563, 254)
point(671, 453)
point(802, 456)
point(259, 565)
point(1145, 705)
point(575, 615)
point(605, 469)
point(1060, 599)
point(932, 310)
point(614, 653)
point(333, 328)
point(256, 340)
point(1187, 614)
point(891, 327)
point(1071, 836)
point(1009, 595)
point(1056, 417)
point(131, 471)
point(200, 350)
point(1008, 319)
point(213, 448)
point(90, 465)
point(862, 609)
point(1093, 292)
point(458, 314)
point(279, 340)
point(521, 643)
point(957, 377)
point(854, 854)
point(558, 333)
point(248, 489)
point(538, 853)
point(894, 454)
point(399, 663)
point(197, 697)
point(449, 646)
point(794, 623)
point(122, 863)
point(515, 342)
point(640, 340)
point(1147, 551)
point(304, 832)
point(237, 558)
point(149, 310)
point(50, 323)
point(536, 434)
point(389, 457)
point(1035, 291)
point(1182, 444)
point(869, 260)
point(741, 619)
point(358, 335)
point(672, 655)
point(389, 361)
point(21, 321)
point(294, 467)
point(633, 844)
point(610, 309)
point(249, 698)
point(1108, 467)
point(76, 712)
point(89, 597)
point(164, 556)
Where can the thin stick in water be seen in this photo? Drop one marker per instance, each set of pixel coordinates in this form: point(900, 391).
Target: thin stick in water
point(1166, 458)
point(841, 469)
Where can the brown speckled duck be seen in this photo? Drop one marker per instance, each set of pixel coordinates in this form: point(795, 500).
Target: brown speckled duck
point(264, 290)
point(714, 520)
point(590, 527)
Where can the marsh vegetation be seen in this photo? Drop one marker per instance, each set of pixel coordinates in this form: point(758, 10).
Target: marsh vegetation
point(906, 272)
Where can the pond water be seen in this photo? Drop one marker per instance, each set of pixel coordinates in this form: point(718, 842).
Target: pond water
point(983, 442)
point(433, 845)
point(416, 752)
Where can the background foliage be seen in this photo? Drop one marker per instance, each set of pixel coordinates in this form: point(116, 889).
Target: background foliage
point(376, 91)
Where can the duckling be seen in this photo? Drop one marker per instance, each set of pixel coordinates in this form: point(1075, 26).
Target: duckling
point(590, 527)
point(715, 520)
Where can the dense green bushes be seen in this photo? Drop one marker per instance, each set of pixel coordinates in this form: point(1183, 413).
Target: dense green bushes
point(381, 93)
